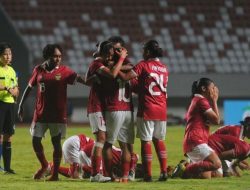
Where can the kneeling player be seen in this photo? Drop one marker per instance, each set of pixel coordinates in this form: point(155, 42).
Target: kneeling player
point(74, 154)
point(240, 131)
point(77, 152)
point(227, 148)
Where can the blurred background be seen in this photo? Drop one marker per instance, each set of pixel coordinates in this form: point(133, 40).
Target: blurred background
point(200, 39)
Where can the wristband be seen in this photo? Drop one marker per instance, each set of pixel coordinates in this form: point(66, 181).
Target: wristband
point(121, 59)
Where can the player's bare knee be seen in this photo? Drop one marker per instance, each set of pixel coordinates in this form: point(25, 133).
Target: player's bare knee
point(155, 140)
point(145, 142)
point(101, 137)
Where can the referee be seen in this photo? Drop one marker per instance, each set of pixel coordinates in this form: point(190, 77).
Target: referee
point(8, 93)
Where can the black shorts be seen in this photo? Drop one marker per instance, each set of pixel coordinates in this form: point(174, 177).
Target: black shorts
point(7, 118)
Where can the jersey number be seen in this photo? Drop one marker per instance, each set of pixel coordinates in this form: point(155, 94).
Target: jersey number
point(42, 87)
point(158, 81)
point(122, 91)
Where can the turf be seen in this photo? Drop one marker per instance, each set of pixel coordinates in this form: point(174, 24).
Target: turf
point(25, 164)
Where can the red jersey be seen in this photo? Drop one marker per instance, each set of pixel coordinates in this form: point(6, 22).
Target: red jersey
point(85, 141)
point(152, 94)
point(94, 102)
point(116, 153)
point(117, 95)
point(233, 130)
point(110, 95)
point(51, 100)
point(197, 130)
point(88, 148)
point(134, 85)
point(222, 143)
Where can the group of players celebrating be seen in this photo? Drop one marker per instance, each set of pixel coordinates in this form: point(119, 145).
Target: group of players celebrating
point(112, 80)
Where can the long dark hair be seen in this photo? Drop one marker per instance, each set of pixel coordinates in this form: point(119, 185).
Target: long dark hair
point(198, 84)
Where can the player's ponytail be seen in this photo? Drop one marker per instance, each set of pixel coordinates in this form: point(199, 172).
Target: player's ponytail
point(197, 85)
point(194, 88)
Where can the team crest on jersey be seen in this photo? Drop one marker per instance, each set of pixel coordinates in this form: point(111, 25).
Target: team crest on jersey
point(58, 76)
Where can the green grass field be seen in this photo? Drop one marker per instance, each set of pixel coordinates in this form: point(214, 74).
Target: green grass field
point(25, 164)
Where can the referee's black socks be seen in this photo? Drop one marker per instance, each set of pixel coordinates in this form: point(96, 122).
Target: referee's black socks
point(6, 155)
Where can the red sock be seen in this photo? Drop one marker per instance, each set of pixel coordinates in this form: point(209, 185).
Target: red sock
point(146, 152)
point(161, 154)
point(133, 161)
point(197, 168)
point(125, 168)
point(96, 164)
point(64, 171)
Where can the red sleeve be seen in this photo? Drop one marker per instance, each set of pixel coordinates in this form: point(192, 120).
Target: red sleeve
point(204, 105)
point(71, 76)
point(88, 149)
point(94, 66)
point(242, 149)
point(229, 130)
point(138, 69)
point(222, 130)
point(33, 78)
point(134, 85)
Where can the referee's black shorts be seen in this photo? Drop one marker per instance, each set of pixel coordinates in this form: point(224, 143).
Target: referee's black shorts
point(7, 118)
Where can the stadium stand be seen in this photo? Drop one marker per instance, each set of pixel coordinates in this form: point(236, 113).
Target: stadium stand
point(199, 36)
point(201, 39)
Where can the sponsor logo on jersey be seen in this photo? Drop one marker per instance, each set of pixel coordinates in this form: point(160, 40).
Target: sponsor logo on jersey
point(58, 76)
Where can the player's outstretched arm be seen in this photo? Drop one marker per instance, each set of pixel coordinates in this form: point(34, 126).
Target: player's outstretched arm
point(127, 76)
point(88, 81)
point(127, 67)
point(24, 97)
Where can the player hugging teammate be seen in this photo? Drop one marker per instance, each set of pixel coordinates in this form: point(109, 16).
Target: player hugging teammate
point(110, 107)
